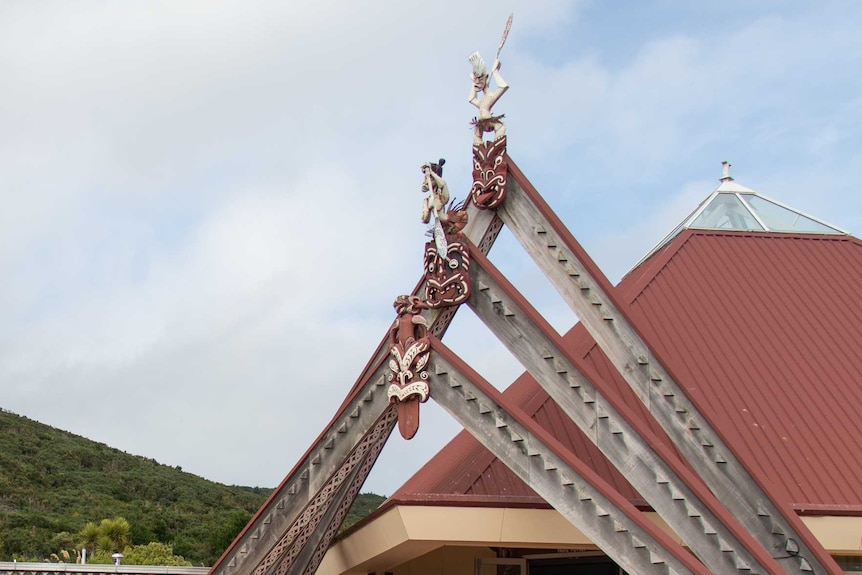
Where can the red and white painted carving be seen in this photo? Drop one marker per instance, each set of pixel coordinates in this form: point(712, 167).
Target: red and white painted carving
point(410, 350)
point(489, 174)
point(447, 263)
point(447, 281)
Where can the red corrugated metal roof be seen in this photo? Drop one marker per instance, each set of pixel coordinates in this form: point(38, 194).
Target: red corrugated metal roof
point(764, 330)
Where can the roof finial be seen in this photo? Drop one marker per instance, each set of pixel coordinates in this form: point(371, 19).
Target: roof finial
point(725, 172)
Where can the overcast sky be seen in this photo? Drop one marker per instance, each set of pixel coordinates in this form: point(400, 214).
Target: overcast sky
point(208, 207)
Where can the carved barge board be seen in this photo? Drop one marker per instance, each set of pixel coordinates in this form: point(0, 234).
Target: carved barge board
point(591, 296)
point(363, 405)
point(673, 491)
point(633, 541)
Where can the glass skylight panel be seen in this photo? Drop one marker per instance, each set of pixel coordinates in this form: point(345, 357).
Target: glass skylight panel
point(734, 207)
point(726, 212)
point(780, 219)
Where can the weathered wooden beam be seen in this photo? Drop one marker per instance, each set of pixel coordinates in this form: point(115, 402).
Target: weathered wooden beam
point(590, 295)
point(673, 490)
point(634, 542)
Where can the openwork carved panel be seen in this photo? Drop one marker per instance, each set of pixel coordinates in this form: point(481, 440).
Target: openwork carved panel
point(438, 328)
point(298, 533)
point(491, 235)
point(346, 502)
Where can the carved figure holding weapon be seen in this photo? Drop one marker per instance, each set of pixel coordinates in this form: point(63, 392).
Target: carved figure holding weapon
point(434, 184)
point(485, 121)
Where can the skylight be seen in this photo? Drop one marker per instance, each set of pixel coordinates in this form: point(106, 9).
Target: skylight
point(780, 218)
point(734, 207)
point(726, 212)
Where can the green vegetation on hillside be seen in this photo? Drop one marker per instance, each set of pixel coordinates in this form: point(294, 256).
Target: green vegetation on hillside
point(365, 503)
point(52, 483)
point(112, 535)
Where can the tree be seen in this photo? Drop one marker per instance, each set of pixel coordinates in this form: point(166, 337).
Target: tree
point(154, 553)
point(224, 534)
point(109, 536)
point(90, 537)
point(117, 531)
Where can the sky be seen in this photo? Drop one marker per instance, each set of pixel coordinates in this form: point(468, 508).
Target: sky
point(209, 206)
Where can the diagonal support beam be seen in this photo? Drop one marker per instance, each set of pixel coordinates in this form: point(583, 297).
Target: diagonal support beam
point(675, 493)
point(591, 296)
point(283, 518)
point(634, 542)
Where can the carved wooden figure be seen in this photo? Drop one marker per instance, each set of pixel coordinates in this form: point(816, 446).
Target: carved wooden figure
point(438, 191)
point(410, 351)
point(447, 277)
point(485, 121)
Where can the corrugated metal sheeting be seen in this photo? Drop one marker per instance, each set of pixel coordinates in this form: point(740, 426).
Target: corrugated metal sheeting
point(764, 331)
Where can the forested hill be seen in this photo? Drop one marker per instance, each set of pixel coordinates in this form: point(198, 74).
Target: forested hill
point(52, 483)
